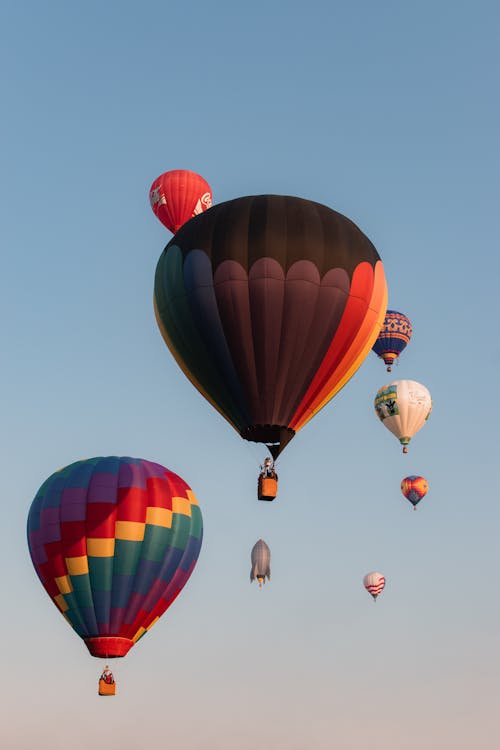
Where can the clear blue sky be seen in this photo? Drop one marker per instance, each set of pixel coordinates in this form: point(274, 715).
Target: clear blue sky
point(388, 112)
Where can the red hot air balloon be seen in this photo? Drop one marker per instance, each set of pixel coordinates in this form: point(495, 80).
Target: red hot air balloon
point(177, 196)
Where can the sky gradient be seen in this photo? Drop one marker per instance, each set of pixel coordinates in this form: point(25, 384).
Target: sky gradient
point(386, 112)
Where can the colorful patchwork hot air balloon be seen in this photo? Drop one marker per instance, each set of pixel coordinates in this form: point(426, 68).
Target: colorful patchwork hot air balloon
point(394, 335)
point(269, 304)
point(374, 583)
point(113, 541)
point(261, 563)
point(414, 489)
point(177, 196)
point(403, 407)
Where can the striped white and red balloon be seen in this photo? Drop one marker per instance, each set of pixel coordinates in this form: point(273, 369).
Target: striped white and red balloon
point(374, 583)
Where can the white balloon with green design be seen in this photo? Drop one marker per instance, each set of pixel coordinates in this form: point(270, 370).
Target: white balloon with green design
point(403, 406)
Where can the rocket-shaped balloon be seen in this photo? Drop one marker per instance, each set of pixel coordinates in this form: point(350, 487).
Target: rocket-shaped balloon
point(261, 563)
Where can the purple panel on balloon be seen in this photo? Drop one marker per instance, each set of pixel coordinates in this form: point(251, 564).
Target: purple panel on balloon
point(102, 488)
point(37, 549)
point(73, 495)
point(153, 471)
point(131, 475)
point(73, 512)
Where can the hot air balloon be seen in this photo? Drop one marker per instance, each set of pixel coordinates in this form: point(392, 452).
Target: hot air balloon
point(269, 305)
point(114, 541)
point(261, 563)
point(374, 583)
point(403, 407)
point(393, 337)
point(414, 489)
point(178, 195)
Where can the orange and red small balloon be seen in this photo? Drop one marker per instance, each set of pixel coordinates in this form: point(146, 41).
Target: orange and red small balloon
point(414, 488)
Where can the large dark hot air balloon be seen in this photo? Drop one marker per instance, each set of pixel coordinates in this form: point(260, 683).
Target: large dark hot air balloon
point(269, 304)
point(113, 541)
point(178, 195)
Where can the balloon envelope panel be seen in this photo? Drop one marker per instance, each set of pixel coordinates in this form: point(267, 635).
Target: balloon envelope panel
point(113, 541)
